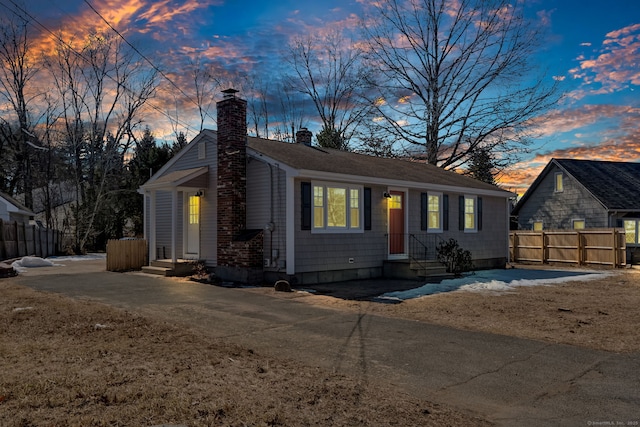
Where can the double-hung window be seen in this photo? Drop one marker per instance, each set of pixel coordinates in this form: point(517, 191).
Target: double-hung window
point(470, 213)
point(434, 212)
point(631, 229)
point(337, 207)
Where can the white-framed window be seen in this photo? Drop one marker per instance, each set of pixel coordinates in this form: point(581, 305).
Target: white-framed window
point(470, 213)
point(578, 224)
point(434, 212)
point(337, 207)
point(202, 151)
point(559, 184)
point(631, 231)
point(538, 226)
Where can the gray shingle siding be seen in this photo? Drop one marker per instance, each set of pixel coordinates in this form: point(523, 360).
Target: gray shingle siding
point(332, 251)
point(266, 203)
point(557, 210)
point(320, 252)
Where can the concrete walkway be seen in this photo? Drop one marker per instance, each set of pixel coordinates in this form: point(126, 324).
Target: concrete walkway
point(507, 380)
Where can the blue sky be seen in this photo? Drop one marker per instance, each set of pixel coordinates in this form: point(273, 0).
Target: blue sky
point(592, 47)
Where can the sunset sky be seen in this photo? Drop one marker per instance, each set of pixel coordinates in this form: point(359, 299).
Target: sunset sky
point(592, 48)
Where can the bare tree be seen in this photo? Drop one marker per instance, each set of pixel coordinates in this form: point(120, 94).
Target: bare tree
point(17, 70)
point(328, 69)
point(102, 89)
point(205, 86)
point(455, 76)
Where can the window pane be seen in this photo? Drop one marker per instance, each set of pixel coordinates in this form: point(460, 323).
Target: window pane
point(469, 213)
point(336, 207)
point(194, 210)
point(355, 208)
point(395, 202)
point(559, 186)
point(433, 217)
point(318, 207)
point(630, 231)
point(578, 224)
point(537, 226)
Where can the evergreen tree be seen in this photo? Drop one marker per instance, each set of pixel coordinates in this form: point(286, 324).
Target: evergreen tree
point(481, 165)
point(331, 138)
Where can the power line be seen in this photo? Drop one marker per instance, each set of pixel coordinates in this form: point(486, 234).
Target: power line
point(81, 56)
point(145, 58)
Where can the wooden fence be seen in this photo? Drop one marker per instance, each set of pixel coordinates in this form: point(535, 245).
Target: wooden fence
point(126, 255)
point(580, 247)
point(18, 239)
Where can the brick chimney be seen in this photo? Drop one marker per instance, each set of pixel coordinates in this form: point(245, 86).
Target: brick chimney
point(239, 249)
point(303, 136)
point(232, 173)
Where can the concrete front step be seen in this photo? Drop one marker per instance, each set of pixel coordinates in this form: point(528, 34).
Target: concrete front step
point(406, 269)
point(168, 268)
point(160, 271)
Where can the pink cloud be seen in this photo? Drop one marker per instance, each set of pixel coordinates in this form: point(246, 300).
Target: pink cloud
point(558, 121)
point(615, 65)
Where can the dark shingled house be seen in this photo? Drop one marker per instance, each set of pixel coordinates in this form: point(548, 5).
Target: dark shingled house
point(572, 193)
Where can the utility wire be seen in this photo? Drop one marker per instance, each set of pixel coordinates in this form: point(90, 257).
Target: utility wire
point(81, 56)
point(145, 58)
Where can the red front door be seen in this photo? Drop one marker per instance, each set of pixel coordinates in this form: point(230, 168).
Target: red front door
point(396, 223)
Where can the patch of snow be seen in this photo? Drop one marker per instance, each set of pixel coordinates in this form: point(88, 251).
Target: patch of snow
point(21, 265)
point(496, 281)
point(87, 257)
point(99, 326)
point(22, 309)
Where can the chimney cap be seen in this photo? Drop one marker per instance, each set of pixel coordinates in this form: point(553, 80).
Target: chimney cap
point(230, 93)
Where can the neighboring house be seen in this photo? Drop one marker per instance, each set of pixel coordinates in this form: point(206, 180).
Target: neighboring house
point(12, 210)
point(259, 209)
point(574, 194)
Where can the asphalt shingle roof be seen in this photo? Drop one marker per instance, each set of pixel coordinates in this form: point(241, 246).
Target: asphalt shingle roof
point(300, 156)
point(615, 184)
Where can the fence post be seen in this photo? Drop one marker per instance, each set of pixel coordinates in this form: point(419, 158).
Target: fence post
point(543, 248)
point(3, 244)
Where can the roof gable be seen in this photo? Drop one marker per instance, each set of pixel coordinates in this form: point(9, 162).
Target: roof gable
point(14, 206)
point(614, 184)
point(192, 145)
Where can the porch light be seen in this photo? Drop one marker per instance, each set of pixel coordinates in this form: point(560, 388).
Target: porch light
point(386, 195)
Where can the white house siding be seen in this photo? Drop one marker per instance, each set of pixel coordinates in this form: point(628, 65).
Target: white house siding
point(325, 257)
point(557, 210)
point(266, 203)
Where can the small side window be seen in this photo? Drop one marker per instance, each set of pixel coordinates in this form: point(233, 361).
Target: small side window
point(578, 224)
point(537, 226)
point(559, 188)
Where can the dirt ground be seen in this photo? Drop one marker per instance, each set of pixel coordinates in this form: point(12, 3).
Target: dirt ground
point(599, 314)
point(66, 362)
point(78, 363)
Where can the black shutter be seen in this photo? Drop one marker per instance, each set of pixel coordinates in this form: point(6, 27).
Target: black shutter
point(479, 213)
point(305, 197)
point(445, 212)
point(367, 208)
point(461, 213)
point(423, 211)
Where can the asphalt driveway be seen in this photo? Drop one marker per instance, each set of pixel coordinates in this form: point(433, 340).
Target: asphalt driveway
point(508, 380)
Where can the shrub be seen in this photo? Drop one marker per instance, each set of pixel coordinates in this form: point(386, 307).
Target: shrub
point(453, 257)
